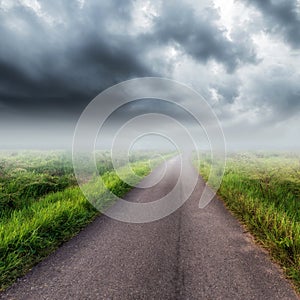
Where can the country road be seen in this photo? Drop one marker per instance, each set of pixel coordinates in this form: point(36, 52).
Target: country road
point(191, 254)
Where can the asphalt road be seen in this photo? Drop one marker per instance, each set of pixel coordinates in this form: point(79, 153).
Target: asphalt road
point(191, 254)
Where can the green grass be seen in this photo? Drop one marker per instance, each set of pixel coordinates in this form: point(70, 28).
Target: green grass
point(263, 191)
point(26, 176)
point(34, 229)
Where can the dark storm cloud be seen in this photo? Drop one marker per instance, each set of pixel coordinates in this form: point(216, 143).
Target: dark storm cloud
point(200, 37)
point(281, 17)
point(63, 65)
point(61, 60)
point(55, 59)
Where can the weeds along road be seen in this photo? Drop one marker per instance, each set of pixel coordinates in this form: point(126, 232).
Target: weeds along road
point(192, 254)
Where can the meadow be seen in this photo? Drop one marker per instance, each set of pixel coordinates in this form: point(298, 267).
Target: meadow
point(263, 191)
point(42, 205)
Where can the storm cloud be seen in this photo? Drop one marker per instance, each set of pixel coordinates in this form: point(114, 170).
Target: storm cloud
point(56, 56)
point(281, 17)
point(64, 61)
point(199, 36)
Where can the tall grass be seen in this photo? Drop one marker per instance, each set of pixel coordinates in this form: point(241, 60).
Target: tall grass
point(25, 176)
point(30, 233)
point(263, 191)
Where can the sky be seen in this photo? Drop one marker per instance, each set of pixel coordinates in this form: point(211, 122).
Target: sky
point(242, 56)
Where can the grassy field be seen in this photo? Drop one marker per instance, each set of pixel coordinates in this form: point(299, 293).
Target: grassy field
point(42, 206)
point(263, 191)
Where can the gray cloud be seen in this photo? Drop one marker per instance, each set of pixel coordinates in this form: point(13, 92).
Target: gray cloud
point(227, 89)
point(278, 99)
point(65, 56)
point(281, 17)
point(200, 36)
point(56, 58)
point(64, 65)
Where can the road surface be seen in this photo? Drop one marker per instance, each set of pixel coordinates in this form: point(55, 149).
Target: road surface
point(191, 254)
